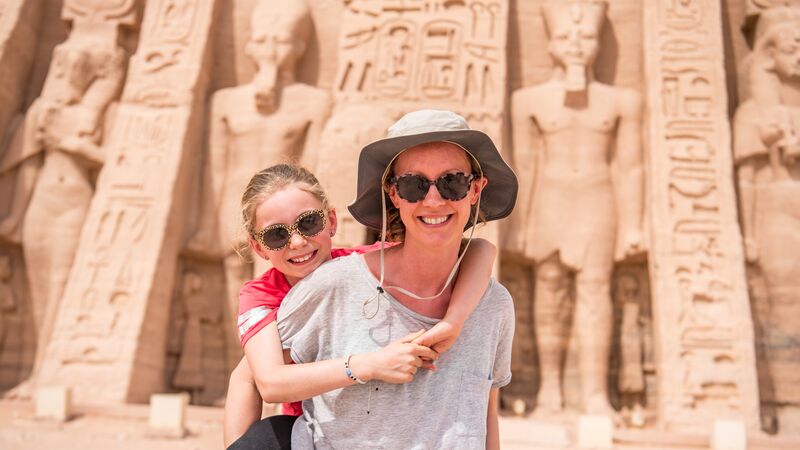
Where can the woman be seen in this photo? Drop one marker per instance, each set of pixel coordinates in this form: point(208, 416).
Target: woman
point(439, 177)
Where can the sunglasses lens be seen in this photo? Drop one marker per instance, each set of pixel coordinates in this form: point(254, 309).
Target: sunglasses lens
point(311, 224)
point(453, 186)
point(276, 237)
point(412, 188)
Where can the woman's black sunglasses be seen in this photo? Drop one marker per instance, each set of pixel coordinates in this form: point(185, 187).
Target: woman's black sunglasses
point(451, 186)
point(308, 224)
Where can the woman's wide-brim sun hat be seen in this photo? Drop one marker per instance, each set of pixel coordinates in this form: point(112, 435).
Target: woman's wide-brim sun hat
point(422, 127)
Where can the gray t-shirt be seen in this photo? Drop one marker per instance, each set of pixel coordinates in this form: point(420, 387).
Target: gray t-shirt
point(321, 318)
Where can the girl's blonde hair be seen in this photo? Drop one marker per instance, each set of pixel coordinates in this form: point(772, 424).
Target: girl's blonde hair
point(274, 179)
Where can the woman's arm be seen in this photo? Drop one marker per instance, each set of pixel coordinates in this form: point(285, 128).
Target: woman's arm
point(492, 421)
point(242, 405)
point(278, 382)
point(473, 277)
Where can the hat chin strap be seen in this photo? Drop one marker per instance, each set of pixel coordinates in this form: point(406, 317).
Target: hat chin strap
point(382, 289)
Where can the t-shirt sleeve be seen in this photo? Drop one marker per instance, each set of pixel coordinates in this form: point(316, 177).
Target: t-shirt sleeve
point(501, 372)
point(259, 300)
point(299, 322)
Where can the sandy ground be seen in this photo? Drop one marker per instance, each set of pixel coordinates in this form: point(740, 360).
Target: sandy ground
point(126, 427)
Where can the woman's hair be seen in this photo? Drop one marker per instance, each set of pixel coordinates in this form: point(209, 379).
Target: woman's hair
point(395, 229)
point(274, 179)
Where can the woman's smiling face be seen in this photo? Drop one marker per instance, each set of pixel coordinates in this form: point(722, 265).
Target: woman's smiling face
point(303, 254)
point(434, 220)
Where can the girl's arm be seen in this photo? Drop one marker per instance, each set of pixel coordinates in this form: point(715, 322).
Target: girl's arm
point(472, 280)
point(278, 382)
point(242, 404)
point(492, 421)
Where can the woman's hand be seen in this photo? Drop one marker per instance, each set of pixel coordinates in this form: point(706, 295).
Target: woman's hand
point(396, 363)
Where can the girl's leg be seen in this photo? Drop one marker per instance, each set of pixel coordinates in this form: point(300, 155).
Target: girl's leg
point(274, 432)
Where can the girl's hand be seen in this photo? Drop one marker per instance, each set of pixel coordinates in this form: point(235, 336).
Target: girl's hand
point(441, 337)
point(396, 363)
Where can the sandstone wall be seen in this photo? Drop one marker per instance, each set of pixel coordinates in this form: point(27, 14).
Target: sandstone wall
point(179, 301)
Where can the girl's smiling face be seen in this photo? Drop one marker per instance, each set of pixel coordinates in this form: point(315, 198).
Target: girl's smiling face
point(303, 254)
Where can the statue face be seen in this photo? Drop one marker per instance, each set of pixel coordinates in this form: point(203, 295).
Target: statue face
point(574, 43)
point(274, 43)
point(786, 54)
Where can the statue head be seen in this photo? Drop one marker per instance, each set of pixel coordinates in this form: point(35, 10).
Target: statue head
point(279, 35)
point(192, 283)
point(777, 42)
point(5, 268)
point(574, 29)
point(627, 288)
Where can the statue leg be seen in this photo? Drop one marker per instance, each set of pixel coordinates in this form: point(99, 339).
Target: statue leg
point(593, 323)
point(551, 316)
point(50, 237)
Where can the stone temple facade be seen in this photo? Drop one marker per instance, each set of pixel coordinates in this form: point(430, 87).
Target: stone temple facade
point(653, 255)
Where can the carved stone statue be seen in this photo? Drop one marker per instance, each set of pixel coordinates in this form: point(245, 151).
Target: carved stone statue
point(767, 153)
point(579, 217)
point(66, 122)
point(201, 325)
point(272, 119)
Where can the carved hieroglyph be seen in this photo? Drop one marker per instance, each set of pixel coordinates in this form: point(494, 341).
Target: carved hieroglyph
point(270, 120)
point(767, 152)
point(109, 337)
point(702, 322)
point(581, 201)
point(398, 56)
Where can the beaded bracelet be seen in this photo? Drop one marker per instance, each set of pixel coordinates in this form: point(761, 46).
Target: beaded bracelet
point(350, 372)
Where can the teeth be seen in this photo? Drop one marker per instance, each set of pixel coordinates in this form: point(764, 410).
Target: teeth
point(302, 258)
point(434, 220)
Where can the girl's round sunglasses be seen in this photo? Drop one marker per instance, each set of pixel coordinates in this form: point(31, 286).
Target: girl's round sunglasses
point(451, 186)
point(308, 224)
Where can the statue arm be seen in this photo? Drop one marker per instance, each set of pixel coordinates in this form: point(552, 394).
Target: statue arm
point(750, 152)
point(310, 155)
point(745, 174)
point(526, 139)
point(204, 238)
point(629, 185)
point(218, 149)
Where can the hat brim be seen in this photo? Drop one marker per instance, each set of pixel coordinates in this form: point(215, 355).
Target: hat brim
point(497, 198)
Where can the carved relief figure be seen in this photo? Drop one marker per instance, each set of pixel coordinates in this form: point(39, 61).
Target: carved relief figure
point(767, 153)
point(272, 119)
point(632, 347)
point(580, 220)
point(201, 325)
point(66, 123)
point(8, 301)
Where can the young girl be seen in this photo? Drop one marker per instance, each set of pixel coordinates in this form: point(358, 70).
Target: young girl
point(289, 222)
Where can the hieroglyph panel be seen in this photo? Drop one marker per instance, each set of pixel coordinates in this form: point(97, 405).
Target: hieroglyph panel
point(112, 323)
point(703, 325)
point(448, 54)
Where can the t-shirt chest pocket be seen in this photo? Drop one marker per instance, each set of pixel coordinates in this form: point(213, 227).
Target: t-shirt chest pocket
point(473, 403)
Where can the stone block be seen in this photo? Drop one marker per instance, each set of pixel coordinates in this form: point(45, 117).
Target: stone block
point(53, 403)
point(168, 415)
point(729, 435)
point(595, 431)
